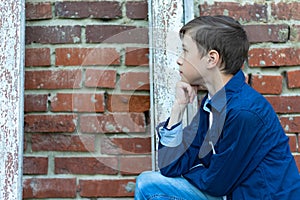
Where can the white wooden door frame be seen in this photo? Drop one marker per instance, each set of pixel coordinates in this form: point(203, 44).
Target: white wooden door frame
point(12, 50)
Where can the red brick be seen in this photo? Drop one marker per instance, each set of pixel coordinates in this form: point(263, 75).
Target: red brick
point(137, 56)
point(55, 142)
point(267, 84)
point(134, 165)
point(135, 81)
point(116, 34)
point(100, 78)
point(295, 33)
point(128, 103)
point(107, 188)
point(137, 10)
point(84, 165)
point(35, 102)
point(53, 34)
point(290, 124)
point(37, 57)
point(50, 123)
point(285, 104)
point(113, 123)
point(271, 57)
point(49, 188)
point(286, 11)
point(36, 11)
point(293, 143)
point(247, 12)
point(267, 33)
point(87, 56)
point(53, 79)
point(78, 102)
point(35, 165)
point(293, 79)
point(101, 10)
point(126, 145)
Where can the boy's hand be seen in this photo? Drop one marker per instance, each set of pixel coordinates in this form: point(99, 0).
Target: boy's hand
point(185, 93)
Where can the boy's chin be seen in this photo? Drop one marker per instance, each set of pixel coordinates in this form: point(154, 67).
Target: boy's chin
point(199, 86)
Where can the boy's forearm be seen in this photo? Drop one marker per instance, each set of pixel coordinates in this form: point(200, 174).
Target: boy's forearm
point(176, 114)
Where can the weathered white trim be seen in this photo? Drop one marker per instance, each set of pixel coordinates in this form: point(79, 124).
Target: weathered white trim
point(152, 123)
point(166, 17)
point(12, 48)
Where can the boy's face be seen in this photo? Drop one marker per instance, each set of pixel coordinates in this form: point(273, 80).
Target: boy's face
point(192, 66)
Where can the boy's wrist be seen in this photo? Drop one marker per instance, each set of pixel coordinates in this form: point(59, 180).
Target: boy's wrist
point(179, 107)
point(176, 113)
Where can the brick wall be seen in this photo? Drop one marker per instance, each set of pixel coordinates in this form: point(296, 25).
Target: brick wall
point(87, 89)
point(86, 98)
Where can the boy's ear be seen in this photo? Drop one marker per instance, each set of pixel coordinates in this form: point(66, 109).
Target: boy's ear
point(213, 58)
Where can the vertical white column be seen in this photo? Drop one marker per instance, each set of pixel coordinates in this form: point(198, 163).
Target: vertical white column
point(12, 30)
point(165, 20)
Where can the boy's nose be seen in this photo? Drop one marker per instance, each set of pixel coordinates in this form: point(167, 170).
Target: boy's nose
point(179, 60)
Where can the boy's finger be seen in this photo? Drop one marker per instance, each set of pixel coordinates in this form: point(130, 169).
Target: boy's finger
point(191, 93)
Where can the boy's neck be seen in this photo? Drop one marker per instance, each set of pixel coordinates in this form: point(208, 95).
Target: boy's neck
point(217, 82)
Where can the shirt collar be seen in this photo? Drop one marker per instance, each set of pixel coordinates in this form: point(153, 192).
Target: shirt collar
point(220, 99)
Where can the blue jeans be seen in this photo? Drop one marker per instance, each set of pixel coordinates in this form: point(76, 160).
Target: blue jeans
point(154, 186)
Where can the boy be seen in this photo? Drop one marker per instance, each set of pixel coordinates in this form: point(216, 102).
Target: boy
point(235, 147)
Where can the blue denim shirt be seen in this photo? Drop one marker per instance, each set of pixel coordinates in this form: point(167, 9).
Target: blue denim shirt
point(252, 157)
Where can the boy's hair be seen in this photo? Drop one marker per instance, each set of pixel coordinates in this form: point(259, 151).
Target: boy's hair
point(223, 34)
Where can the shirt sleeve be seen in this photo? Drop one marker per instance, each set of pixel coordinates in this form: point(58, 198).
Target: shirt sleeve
point(170, 137)
point(175, 161)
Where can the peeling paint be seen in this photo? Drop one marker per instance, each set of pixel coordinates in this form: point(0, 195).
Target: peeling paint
point(167, 20)
point(269, 31)
point(76, 39)
point(11, 98)
point(125, 129)
point(130, 187)
point(262, 63)
point(287, 128)
point(93, 99)
point(110, 127)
